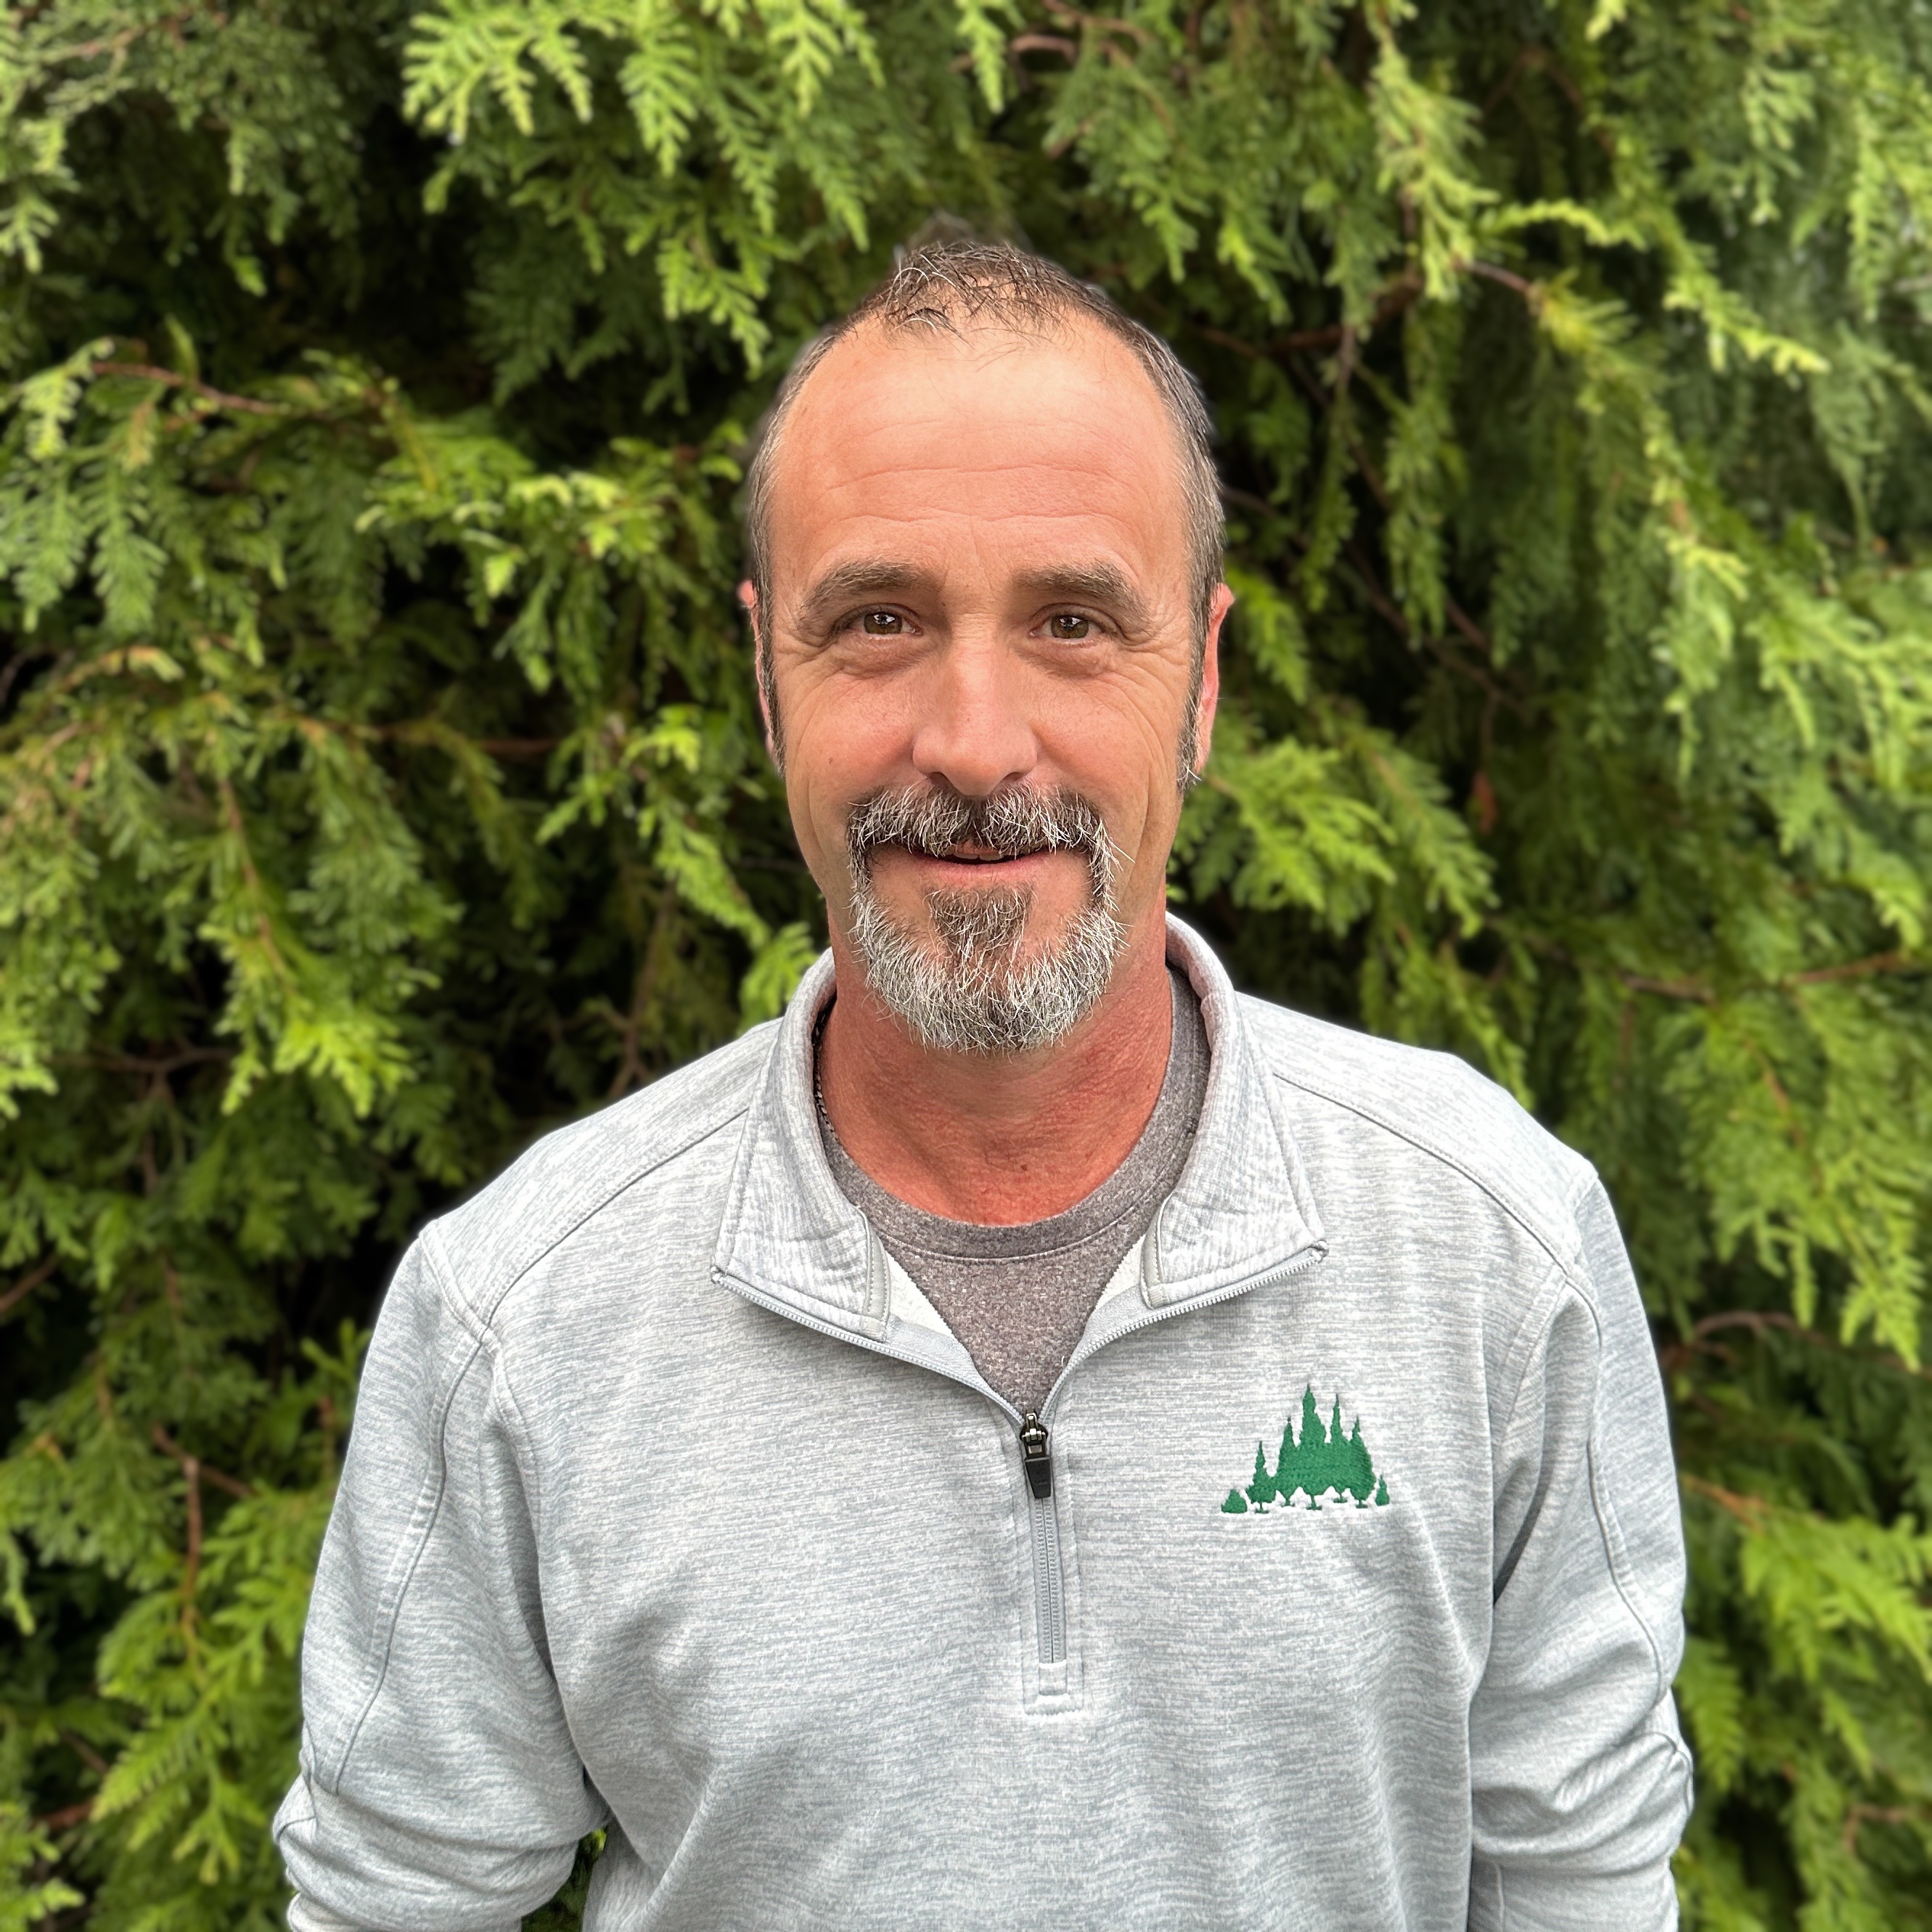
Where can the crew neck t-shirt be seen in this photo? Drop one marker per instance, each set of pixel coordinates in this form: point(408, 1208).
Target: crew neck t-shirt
point(1018, 1298)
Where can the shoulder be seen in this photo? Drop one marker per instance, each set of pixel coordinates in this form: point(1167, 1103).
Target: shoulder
point(572, 1176)
point(1451, 1131)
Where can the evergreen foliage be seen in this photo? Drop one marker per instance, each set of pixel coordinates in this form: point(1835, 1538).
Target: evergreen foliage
point(379, 783)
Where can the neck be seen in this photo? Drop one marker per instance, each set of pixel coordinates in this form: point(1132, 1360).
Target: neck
point(999, 1139)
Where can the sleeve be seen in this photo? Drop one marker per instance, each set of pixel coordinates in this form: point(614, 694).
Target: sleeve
point(439, 1788)
point(304, 1916)
point(1580, 1779)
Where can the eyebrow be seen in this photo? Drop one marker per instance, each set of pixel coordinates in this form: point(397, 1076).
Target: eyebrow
point(870, 577)
point(1098, 583)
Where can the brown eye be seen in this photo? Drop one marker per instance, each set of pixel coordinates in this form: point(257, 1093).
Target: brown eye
point(1069, 629)
point(882, 624)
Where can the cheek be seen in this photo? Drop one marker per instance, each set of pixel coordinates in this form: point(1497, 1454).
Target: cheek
point(1119, 744)
point(835, 751)
point(840, 731)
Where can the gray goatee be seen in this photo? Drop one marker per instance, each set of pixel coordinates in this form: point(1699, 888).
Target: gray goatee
point(974, 994)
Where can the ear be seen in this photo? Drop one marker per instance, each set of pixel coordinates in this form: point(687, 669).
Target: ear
point(761, 663)
point(1210, 677)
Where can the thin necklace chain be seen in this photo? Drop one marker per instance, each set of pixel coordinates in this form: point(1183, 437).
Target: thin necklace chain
point(818, 1046)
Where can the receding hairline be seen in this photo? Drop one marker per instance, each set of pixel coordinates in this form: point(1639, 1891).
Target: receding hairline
point(1082, 337)
point(949, 295)
point(980, 337)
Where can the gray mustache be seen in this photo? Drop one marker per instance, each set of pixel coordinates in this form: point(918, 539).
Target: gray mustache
point(1013, 821)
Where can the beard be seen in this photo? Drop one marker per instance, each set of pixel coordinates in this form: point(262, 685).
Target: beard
point(973, 987)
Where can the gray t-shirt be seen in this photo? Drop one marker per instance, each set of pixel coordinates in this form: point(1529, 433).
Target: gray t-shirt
point(1018, 1298)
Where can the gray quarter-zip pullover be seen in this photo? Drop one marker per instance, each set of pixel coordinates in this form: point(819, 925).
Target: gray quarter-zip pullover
point(1343, 1593)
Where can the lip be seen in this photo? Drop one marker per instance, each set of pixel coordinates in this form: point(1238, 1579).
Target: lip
point(980, 869)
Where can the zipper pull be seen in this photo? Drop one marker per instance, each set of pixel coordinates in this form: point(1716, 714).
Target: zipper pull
point(1035, 1453)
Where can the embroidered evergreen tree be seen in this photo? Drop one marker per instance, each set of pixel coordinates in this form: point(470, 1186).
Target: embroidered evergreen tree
point(1322, 1460)
point(1359, 1471)
point(1287, 1469)
point(1262, 1490)
point(1311, 1456)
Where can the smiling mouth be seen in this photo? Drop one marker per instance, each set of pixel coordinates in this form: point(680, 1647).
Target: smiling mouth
point(1012, 825)
point(976, 855)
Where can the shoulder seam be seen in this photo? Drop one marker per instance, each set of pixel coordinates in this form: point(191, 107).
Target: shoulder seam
point(486, 1315)
point(1542, 1239)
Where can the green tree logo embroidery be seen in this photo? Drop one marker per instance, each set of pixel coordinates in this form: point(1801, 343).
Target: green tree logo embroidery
point(1324, 1463)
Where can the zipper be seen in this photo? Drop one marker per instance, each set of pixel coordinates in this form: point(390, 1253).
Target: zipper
point(1049, 1595)
point(1049, 1582)
point(1036, 1456)
point(1035, 1435)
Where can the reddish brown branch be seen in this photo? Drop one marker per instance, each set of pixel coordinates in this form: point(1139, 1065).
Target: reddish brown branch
point(1468, 625)
point(1531, 292)
point(517, 748)
point(26, 1285)
point(1819, 976)
point(1045, 44)
point(325, 1416)
point(1751, 1509)
point(1856, 1815)
point(149, 372)
point(190, 1468)
point(1757, 1320)
point(1855, 969)
point(1345, 363)
point(1100, 23)
point(1539, 60)
point(1668, 989)
point(169, 1446)
point(1386, 607)
point(126, 1063)
point(1398, 296)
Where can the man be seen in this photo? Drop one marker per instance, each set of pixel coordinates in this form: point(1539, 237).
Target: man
point(1032, 1436)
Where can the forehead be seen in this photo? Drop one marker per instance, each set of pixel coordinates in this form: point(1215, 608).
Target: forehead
point(1013, 448)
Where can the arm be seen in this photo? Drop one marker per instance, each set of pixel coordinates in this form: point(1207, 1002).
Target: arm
point(1580, 1779)
point(439, 1787)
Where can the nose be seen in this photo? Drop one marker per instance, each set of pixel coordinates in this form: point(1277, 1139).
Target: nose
point(975, 731)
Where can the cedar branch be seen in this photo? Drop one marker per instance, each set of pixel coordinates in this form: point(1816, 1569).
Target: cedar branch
point(26, 1285)
point(220, 399)
point(169, 1446)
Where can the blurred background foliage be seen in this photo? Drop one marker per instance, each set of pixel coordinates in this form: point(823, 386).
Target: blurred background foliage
point(380, 782)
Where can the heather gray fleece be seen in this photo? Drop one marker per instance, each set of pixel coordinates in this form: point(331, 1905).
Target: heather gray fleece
point(671, 1506)
point(1018, 1296)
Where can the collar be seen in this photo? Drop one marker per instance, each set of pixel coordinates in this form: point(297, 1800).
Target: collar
point(1241, 1209)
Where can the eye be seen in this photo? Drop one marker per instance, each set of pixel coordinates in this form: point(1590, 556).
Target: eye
point(1069, 628)
point(882, 624)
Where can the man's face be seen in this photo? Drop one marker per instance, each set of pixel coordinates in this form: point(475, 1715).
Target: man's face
point(981, 644)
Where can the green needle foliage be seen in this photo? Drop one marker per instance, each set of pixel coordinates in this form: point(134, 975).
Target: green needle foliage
point(380, 784)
